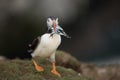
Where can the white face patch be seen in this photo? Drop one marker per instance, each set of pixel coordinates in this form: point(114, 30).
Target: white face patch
point(49, 22)
point(57, 21)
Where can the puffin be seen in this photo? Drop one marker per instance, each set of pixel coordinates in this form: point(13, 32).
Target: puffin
point(45, 46)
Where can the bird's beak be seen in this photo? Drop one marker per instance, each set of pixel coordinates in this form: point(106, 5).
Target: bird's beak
point(54, 25)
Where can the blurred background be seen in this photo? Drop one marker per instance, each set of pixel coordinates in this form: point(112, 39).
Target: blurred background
point(94, 26)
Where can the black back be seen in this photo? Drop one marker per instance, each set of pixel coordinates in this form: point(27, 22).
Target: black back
point(33, 46)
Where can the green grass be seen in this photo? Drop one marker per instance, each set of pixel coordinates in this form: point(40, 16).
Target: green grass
point(67, 65)
point(24, 70)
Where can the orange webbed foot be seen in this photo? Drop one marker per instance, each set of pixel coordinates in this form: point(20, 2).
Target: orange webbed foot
point(54, 70)
point(37, 67)
point(56, 73)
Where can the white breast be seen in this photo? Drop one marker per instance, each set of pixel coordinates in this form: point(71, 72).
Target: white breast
point(47, 45)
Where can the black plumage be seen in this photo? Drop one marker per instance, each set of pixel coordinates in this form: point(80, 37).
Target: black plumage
point(52, 17)
point(33, 45)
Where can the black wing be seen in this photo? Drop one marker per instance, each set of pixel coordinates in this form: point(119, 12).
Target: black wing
point(32, 47)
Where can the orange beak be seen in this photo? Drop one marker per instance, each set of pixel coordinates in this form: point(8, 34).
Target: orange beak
point(54, 25)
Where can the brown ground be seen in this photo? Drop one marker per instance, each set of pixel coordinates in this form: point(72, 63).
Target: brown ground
point(108, 72)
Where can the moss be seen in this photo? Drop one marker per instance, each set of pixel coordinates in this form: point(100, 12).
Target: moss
point(67, 60)
point(24, 70)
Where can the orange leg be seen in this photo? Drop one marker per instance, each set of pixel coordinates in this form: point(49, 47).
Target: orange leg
point(37, 67)
point(54, 70)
